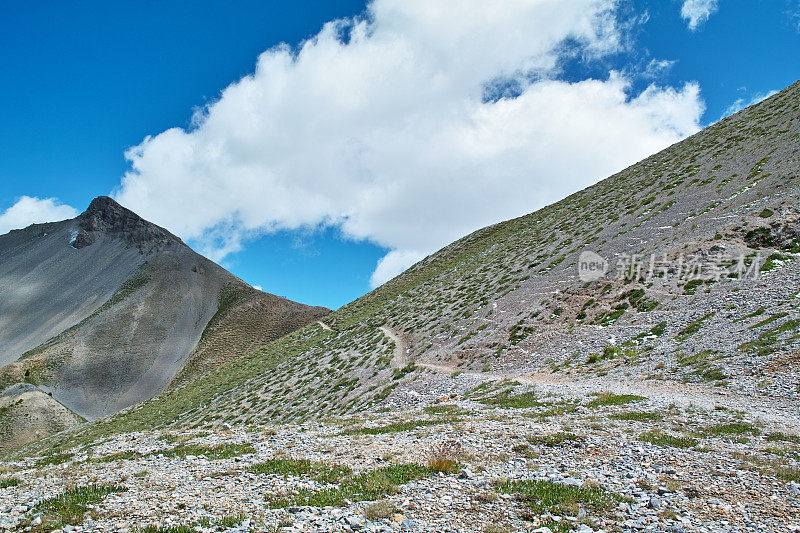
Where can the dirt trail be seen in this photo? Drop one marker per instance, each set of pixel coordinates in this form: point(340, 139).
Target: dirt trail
point(400, 358)
point(665, 393)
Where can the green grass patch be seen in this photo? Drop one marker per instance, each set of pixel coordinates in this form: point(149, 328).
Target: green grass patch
point(554, 410)
point(397, 427)
point(758, 312)
point(399, 373)
point(733, 428)
point(613, 352)
point(769, 320)
point(692, 286)
point(224, 522)
point(714, 374)
point(9, 482)
point(54, 459)
point(659, 438)
point(70, 506)
point(222, 451)
point(168, 529)
point(783, 437)
point(768, 341)
point(773, 262)
point(693, 327)
point(452, 410)
point(788, 473)
point(506, 400)
point(609, 398)
point(367, 486)
point(549, 497)
point(318, 471)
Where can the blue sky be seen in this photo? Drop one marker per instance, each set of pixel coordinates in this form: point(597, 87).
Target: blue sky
point(356, 163)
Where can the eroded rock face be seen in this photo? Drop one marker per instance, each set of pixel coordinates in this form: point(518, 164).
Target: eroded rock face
point(82, 240)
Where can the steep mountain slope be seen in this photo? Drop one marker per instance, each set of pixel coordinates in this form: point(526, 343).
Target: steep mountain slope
point(716, 216)
point(104, 311)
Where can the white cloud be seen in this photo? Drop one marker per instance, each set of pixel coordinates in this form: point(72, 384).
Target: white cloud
point(379, 126)
point(697, 12)
point(741, 103)
point(657, 67)
point(31, 210)
point(392, 264)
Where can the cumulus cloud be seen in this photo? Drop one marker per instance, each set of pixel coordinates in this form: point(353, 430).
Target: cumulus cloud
point(383, 127)
point(31, 210)
point(741, 103)
point(697, 12)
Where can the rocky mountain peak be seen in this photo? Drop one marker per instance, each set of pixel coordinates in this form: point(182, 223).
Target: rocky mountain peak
point(107, 207)
point(105, 215)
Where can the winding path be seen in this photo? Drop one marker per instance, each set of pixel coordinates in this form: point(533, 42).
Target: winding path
point(400, 357)
point(661, 392)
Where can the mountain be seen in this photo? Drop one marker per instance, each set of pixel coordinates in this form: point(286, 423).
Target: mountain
point(627, 359)
point(106, 310)
point(716, 216)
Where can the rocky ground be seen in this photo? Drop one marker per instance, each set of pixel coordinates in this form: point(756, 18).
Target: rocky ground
point(488, 456)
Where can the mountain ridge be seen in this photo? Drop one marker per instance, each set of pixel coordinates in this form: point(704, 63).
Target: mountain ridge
point(104, 310)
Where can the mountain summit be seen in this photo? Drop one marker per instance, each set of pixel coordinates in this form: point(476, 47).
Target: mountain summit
point(105, 215)
point(107, 309)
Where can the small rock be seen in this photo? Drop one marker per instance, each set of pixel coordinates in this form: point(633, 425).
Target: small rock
point(655, 503)
point(408, 525)
point(466, 474)
point(354, 521)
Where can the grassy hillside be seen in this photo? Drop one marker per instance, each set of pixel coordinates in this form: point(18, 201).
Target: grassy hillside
point(508, 296)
